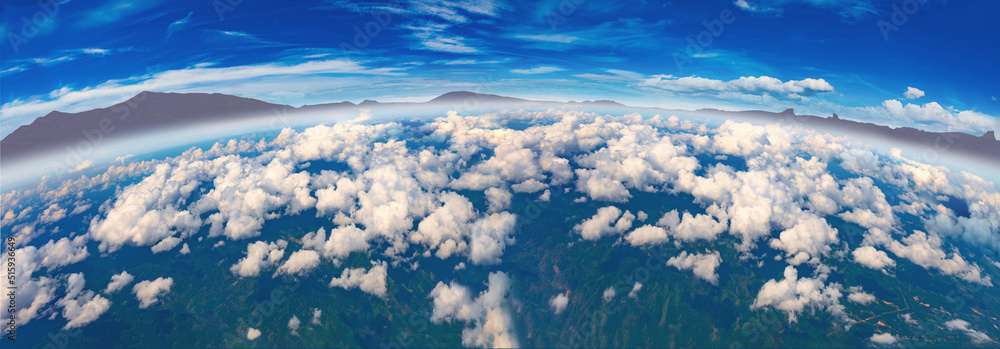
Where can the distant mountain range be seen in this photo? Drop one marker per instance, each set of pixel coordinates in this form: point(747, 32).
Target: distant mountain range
point(150, 111)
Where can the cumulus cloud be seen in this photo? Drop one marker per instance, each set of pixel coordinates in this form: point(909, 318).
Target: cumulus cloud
point(293, 325)
point(883, 338)
point(793, 295)
point(647, 235)
point(870, 257)
point(745, 85)
point(498, 199)
point(52, 214)
point(702, 264)
point(316, 315)
point(299, 263)
point(930, 115)
point(964, 326)
point(608, 294)
point(913, 93)
point(400, 196)
point(529, 186)
point(61, 253)
point(488, 317)
point(608, 220)
point(343, 241)
point(857, 295)
point(490, 235)
point(372, 281)
point(558, 303)
point(260, 255)
point(166, 244)
point(925, 250)
point(253, 333)
point(119, 281)
point(81, 307)
point(635, 290)
point(149, 291)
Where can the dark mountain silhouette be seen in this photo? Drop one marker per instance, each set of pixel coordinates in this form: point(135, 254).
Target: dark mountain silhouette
point(144, 112)
point(152, 110)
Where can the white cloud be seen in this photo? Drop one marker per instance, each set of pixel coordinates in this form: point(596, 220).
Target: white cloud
point(81, 307)
point(315, 318)
point(253, 333)
point(166, 244)
point(963, 326)
point(870, 257)
point(490, 235)
point(498, 199)
point(185, 249)
point(558, 303)
point(702, 264)
point(299, 263)
point(119, 281)
point(293, 324)
point(260, 255)
point(488, 316)
point(883, 338)
point(148, 292)
point(744, 5)
point(372, 281)
point(745, 85)
point(529, 186)
point(793, 295)
point(647, 235)
point(930, 116)
point(857, 295)
point(635, 290)
point(608, 294)
point(52, 214)
point(913, 93)
point(557, 38)
point(342, 242)
point(537, 70)
point(607, 221)
point(925, 251)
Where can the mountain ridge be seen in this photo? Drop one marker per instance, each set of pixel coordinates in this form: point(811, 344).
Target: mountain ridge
point(151, 110)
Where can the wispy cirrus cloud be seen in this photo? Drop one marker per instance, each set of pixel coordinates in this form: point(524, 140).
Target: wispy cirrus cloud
point(435, 37)
point(178, 24)
point(114, 11)
point(852, 10)
point(613, 75)
point(559, 38)
point(537, 70)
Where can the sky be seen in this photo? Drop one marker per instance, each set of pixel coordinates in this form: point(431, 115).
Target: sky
point(932, 65)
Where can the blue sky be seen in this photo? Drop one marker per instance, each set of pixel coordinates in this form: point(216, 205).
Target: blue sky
point(818, 56)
